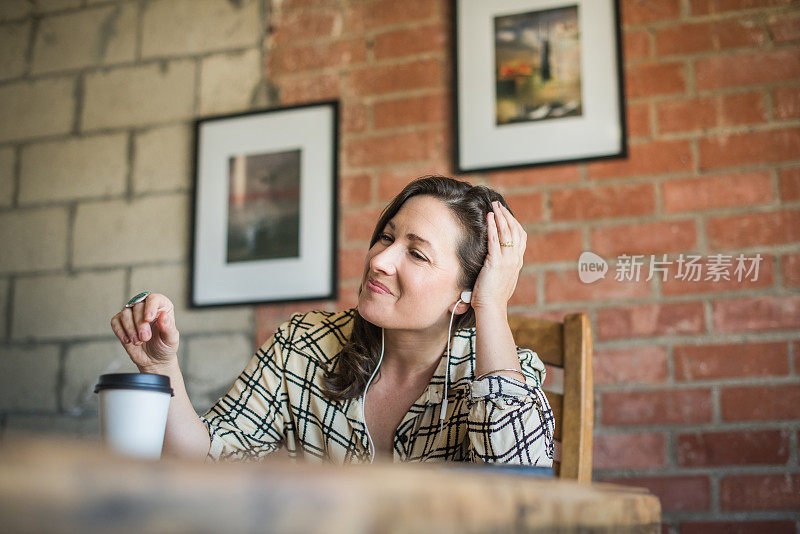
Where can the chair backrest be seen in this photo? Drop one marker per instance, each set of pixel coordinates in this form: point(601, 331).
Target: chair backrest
point(567, 346)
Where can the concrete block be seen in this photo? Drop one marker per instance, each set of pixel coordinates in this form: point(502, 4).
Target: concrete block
point(84, 363)
point(4, 285)
point(13, 49)
point(77, 168)
point(49, 6)
point(173, 282)
point(163, 160)
point(100, 36)
point(28, 377)
point(227, 81)
point(213, 363)
point(35, 109)
point(139, 96)
point(7, 160)
point(15, 9)
point(33, 239)
point(205, 25)
point(121, 233)
point(67, 306)
point(53, 426)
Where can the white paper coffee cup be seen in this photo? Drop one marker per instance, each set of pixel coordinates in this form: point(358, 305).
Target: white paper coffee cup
point(133, 412)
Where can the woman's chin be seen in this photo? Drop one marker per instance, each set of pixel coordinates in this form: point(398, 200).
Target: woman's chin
point(369, 310)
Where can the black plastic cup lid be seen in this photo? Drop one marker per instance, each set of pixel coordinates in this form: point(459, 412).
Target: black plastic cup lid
point(145, 381)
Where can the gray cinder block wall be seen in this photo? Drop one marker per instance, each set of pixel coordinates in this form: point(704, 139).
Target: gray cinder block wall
point(96, 104)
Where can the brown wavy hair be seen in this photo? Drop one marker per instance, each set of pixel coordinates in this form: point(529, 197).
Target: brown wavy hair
point(469, 204)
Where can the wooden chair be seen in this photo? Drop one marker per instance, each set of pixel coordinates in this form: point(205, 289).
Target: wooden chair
point(567, 346)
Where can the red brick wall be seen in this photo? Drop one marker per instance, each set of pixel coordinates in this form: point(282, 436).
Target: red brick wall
point(697, 387)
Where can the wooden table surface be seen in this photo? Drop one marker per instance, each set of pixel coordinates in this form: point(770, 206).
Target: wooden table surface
point(76, 486)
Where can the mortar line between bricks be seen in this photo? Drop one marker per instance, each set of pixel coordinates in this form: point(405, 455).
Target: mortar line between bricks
point(98, 199)
point(708, 471)
point(197, 86)
point(688, 66)
point(670, 360)
point(634, 340)
point(94, 132)
point(730, 515)
point(139, 36)
point(61, 377)
point(128, 64)
point(130, 154)
point(709, 53)
point(670, 450)
point(9, 306)
point(793, 446)
point(708, 314)
point(727, 131)
point(78, 94)
point(16, 185)
point(685, 11)
point(716, 408)
point(33, 341)
point(778, 380)
point(128, 281)
point(95, 269)
point(35, 23)
point(714, 482)
point(707, 17)
point(694, 338)
point(72, 216)
point(787, 425)
point(713, 93)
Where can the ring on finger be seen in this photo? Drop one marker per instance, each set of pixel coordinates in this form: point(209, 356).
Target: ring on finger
point(136, 299)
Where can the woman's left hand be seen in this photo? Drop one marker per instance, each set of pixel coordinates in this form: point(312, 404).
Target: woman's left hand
point(498, 277)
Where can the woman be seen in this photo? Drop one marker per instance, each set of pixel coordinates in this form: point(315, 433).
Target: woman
point(385, 379)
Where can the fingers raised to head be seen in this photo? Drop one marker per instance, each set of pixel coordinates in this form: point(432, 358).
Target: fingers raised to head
point(491, 234)
point(503, 230)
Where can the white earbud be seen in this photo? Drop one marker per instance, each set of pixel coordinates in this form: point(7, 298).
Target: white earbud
point(466, 296)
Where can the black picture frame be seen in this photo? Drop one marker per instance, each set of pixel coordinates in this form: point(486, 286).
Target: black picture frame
point(501, 117)
point(265, 206)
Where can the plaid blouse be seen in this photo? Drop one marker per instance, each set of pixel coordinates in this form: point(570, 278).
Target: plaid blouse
point(277, 401)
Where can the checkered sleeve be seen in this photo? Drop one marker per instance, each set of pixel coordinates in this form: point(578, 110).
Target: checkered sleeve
point(248, 422)
point(511, 422)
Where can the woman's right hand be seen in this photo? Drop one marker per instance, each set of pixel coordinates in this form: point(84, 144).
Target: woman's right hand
point(147, 332)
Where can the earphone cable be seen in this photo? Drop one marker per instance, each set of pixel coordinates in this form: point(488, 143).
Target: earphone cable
point(364, 400)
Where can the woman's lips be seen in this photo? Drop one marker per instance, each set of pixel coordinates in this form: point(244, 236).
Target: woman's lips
point(377, 287)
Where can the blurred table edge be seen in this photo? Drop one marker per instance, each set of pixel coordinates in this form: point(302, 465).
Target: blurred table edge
point(68, 485)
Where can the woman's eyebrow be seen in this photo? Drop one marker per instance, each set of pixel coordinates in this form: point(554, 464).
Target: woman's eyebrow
point(412, 237)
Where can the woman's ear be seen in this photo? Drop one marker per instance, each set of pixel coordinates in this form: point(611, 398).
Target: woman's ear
point(460, 308)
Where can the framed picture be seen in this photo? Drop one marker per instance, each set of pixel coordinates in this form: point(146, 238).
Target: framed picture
point(265, 206)
point(537, 82)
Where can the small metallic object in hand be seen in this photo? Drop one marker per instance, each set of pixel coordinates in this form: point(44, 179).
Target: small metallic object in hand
point(137, 299)
point(507, 244)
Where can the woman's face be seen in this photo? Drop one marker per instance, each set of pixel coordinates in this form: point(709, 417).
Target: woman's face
point(415, 259)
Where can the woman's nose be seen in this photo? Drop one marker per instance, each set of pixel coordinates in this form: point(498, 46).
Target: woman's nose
point(385, 261)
